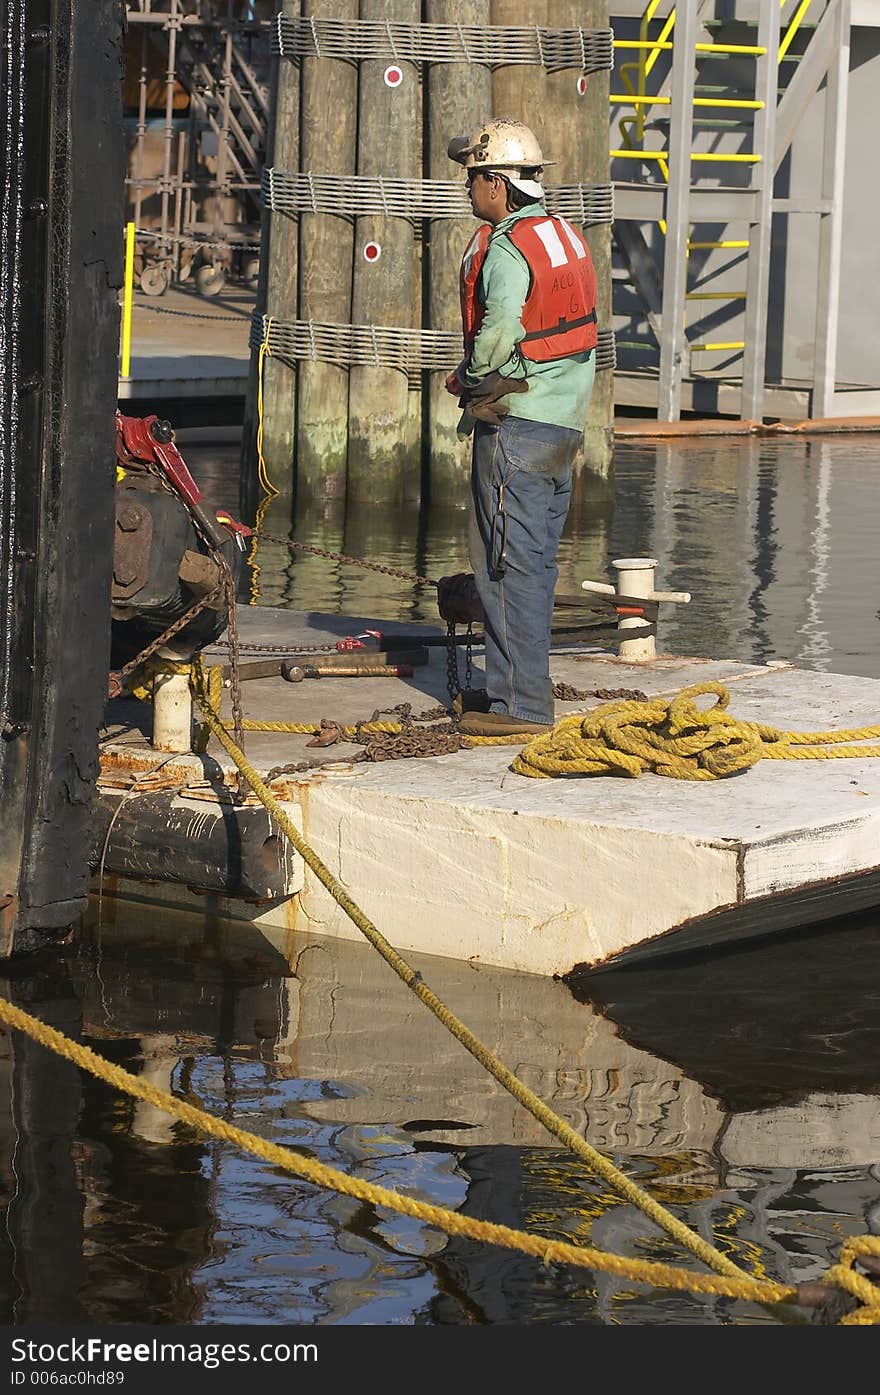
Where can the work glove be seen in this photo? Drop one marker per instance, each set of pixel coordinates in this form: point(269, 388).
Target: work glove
point(483, 401)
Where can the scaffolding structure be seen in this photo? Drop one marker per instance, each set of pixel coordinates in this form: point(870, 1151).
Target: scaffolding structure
point(196, 110)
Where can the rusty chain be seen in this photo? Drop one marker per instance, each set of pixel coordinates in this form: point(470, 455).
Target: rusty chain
point(564, 692)
point(150, 649)
point(232, 633)
point(453, 682)
point(414, 740)
point(342, 557)
point(438, 741)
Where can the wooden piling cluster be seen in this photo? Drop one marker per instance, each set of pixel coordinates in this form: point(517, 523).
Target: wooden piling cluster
point(375, 425)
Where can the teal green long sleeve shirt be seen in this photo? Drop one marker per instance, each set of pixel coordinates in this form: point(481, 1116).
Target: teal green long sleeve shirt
point(559, 390)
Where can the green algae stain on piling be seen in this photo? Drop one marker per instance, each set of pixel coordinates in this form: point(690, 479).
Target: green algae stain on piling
point(458, 96)
point(328, 125)
point(384, 455)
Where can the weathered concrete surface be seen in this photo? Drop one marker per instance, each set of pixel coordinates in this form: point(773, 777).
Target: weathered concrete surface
point(458, 856)
point(184, 345)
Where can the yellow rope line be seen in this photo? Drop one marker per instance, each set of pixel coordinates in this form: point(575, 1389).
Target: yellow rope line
point(526, 1097)
point(674, 737)
point(452, 1222)
point(262, 473)
point(215, 693)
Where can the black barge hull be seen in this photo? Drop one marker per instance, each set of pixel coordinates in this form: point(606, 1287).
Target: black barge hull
point(61, 189)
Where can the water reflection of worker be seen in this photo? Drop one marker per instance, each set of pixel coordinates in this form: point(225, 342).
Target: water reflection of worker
point(529, 320)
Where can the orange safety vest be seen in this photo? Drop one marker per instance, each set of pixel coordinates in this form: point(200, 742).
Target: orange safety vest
point(559, 315)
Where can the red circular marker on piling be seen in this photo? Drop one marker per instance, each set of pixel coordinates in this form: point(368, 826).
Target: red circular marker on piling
point(393, 76)
point(372, 252)
point(582, 86)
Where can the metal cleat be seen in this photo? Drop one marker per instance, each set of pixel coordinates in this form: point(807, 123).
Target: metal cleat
point(636, 604)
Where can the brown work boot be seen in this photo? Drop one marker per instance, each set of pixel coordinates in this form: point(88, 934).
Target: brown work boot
point(499, 724)
point(471, 700)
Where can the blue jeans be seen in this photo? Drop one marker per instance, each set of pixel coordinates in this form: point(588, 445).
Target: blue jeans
point(521, 489)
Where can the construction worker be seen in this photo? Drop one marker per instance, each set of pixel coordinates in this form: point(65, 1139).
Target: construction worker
point(528, 298)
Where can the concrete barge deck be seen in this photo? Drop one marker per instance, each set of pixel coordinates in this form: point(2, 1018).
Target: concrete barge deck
point(457, 856)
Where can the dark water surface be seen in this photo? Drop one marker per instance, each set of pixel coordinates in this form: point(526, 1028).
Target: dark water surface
point(742, 1089)
point(775, 538)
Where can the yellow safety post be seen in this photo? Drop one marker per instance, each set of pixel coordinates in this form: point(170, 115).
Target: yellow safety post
point(127, 296)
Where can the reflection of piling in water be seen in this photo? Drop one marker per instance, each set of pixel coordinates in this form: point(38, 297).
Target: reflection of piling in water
point(44, 1221)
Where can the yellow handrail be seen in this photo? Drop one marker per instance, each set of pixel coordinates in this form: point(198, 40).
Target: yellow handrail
point(621, 99)
point(127, 297)
point(717, 348)
point(794, 25)
point(664, 155)
point(657, 44)
point(641, 101)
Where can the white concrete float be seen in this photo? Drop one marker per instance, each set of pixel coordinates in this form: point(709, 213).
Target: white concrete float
point(458, 856)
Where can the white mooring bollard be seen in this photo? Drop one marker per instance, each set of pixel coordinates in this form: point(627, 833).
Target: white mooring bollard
point(637, 604)
point(172, 705)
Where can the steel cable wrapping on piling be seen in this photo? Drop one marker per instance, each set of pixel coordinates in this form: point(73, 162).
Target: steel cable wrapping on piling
point(354, 196)
point(411, 351)
point(495, 46)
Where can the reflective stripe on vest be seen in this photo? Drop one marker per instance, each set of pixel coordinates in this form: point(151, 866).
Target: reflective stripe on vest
point(559, 315)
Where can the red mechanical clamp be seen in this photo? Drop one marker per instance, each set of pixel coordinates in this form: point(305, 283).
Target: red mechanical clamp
point(148, 440)
point(357, 641)
point(239, 531)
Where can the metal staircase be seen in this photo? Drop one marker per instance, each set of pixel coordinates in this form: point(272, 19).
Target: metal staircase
point(704, 111)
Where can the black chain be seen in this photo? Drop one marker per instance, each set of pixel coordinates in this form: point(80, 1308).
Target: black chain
point(190, 314)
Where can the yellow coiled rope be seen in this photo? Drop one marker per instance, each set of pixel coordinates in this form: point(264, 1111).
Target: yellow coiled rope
point(677, 738)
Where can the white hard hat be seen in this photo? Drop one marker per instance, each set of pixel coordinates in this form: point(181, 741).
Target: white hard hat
point(505, 145)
